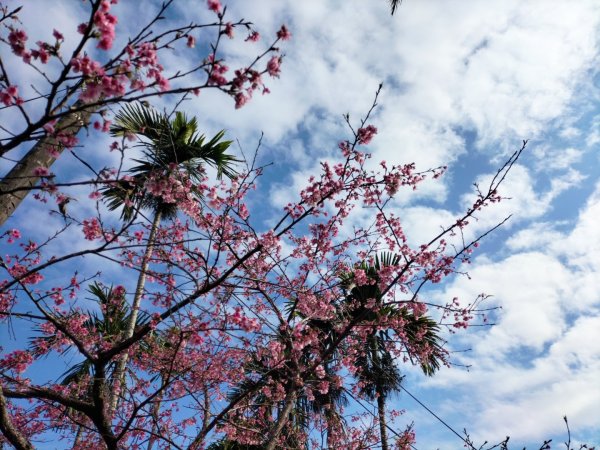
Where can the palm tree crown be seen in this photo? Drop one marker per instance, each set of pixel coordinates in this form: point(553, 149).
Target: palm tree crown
point(168, 146)
point(378, 372)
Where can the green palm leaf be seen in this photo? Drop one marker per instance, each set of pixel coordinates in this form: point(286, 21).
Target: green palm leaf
point(167, 146)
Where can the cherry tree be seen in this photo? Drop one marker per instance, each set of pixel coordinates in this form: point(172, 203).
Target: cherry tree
point(77, 89)
point(239, 328)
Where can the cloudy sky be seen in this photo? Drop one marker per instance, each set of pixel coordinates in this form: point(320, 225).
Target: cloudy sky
point(465, 81)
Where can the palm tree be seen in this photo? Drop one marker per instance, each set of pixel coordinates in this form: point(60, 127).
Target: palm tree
point(170, 147)
point(378, 373)
point(295, 415)
point(109, 325)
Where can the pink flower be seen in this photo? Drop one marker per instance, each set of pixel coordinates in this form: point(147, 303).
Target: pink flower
point(191, 41)
point(91, 229)
point(10, 96)
point(41, 171)
point(41, 53)
point(214, 5)
point(17, 361)
point(105, 22)
point(240, 100)
point(58, 35)
point(216, 76)
point(228, 30)
point(273, 66)
point(146, 55)
point(49, 127)
point(283, 33)
point(16, 39)
point(69, 140)
point(323, 387)
point(253, 36)
point(365, 135)
point(91, 93)
point(82, 27)
point(163, 83)
point(87, 66)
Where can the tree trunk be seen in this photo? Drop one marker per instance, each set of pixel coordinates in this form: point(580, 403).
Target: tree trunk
point(21, 175)
point(119, 375)
point(8, 429)
point(282, 420)
point(382, 421)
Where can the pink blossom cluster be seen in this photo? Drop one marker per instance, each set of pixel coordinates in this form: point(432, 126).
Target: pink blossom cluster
point(273, 66)
point(215, 6)
point(17, 39)
point(17, 361)
point(284, 34)
point(10, 96)
point(217, 72)
point(92, 229)
point(365, 135)
point(12, 235)
point(105, 23)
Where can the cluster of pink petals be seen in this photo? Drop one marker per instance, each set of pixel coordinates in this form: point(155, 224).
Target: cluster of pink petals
point(215, 6)
point(217, 73)
point(365, 135)
point(254, 36)
point(17, 361)
point(273, 66)
point(17, 39)
point(10, 96)
point(284, 34)
point(92, 229)
point(105, 23)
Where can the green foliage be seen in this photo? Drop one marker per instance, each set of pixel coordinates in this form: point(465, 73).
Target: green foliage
point(167, 145)
point(378, 372)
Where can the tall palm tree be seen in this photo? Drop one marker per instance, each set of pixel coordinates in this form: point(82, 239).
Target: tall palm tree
point(296, 418)
point(169, 148)
point(109, 325)
point(378, 373)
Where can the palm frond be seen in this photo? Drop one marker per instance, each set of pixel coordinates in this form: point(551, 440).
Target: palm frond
point(394, 4)
point(168, 146)
point(135, 119)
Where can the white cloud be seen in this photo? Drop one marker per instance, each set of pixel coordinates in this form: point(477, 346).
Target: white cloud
point(541, 360)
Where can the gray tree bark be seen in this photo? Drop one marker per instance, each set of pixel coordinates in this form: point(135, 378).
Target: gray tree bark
point(15, 186)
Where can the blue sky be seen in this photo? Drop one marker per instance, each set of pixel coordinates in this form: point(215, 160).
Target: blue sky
point(464, 83)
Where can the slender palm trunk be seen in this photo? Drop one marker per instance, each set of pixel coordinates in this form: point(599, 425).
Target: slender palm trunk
point(154, 413)
point(119, 375)
point(77, 436)
point(42, 154)
point(282, 420)
point(379, 391)
point(382, 420)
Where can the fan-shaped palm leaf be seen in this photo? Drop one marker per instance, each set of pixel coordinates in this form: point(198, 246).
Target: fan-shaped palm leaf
point(167, 146)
